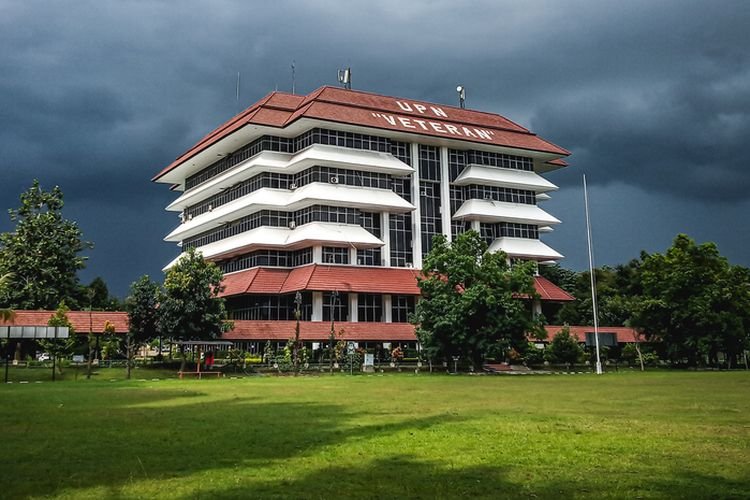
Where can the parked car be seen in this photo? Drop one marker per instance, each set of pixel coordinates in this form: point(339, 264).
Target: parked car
point(43, 357)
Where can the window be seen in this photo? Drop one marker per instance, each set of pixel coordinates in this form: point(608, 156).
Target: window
point(500, 160)
point(370, 307)
point(400, 230)
point(510, 195)
point(334, 255)
point(400, 150)
point(269, 307)
point(338, 303)
point(401, 307)
point(280, 258)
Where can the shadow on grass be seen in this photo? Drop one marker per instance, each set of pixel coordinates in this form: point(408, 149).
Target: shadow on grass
point(116, 436)
point(398, 476)
point(403, 476)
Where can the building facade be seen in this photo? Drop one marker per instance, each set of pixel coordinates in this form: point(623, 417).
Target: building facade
point(333, 199)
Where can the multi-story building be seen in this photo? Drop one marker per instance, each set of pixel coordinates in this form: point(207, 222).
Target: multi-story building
point(337, 195)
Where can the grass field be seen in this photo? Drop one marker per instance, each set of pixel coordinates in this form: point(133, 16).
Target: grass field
point(626, 435)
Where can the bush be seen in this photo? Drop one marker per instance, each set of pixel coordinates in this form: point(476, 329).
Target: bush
point(533, 355)
point(564, 348)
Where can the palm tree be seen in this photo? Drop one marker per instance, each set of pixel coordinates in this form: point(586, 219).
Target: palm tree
point(5, 314)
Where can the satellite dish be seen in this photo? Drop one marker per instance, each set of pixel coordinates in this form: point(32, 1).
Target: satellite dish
point(461, 95)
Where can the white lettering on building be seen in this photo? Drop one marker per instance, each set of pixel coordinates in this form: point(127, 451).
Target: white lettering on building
point(438, 111)
point(421, 109)
point(432, 126)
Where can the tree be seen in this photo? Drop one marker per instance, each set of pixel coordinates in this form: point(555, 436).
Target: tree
point(143, 316)
point(694, 302)
point(471, 300)
point(190, 308)
point(564, 278)
point(564, 348)
point(60, 348)
point(98, 298)
point(42, 252)
point(6, 313)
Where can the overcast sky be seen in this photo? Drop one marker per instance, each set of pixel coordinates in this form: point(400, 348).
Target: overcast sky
point(652, 98)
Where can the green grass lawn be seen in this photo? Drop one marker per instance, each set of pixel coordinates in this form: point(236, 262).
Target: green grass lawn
point(626, 435)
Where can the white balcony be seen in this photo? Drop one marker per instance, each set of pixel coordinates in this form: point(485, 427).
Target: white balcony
point(316, 193)
point(314, 233)
point(504, 177)
point(524, 248)
point(287, 163)
point(501, 211)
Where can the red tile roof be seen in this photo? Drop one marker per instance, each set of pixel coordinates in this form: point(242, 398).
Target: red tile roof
point(318, 277)
point(549, 291)
point(79, 320)
point(320, 331)
point(366, 109)
point(238, 283)
point(623, 333)
point(364, 279)
point(401, 281)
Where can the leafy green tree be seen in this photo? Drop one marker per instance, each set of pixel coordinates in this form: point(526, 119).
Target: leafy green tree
point(189, 307)
point(6, 313)
point(42, 252)
point(96, 295)
point(471, 300)
point(60, 348)
point(142, 306)
point(564, 348)
point(564, 278)
point(694, 302)
point(616, 288)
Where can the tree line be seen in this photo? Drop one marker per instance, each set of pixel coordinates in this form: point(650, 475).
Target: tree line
point(689, 303)
point(39, 264)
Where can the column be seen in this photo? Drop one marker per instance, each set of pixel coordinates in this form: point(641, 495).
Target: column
point(353, 307)
point(536, 307)
point(387, 308)
point(317, 312)
point(445, 194)
point(416, 215)
point(385, 232)
point(317, 256)
point(353, 255)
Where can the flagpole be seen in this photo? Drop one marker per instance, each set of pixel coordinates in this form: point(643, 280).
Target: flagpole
point(593, 279)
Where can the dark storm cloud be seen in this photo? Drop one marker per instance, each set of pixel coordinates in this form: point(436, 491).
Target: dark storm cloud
point(98, 96)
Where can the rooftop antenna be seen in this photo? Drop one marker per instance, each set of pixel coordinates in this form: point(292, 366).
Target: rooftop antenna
point(461, 96)
point(593, 278)
point(293, 82)
point(345, 78)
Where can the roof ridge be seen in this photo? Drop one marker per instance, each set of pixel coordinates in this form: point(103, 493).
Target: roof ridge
point(525, 130)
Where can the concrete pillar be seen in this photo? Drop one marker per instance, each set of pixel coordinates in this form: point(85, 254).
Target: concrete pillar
point(317, 311)
point(416, 215)
point(387, 308)
point(317, 256)
point(536, 307)
point(353, 307)
point(385, 231)
point(445, 194)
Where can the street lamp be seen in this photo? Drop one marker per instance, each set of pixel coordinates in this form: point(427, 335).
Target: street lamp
point(334, 298)
point(298, 303)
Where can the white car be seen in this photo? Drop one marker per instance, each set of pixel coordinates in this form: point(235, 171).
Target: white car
point(43, 357)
